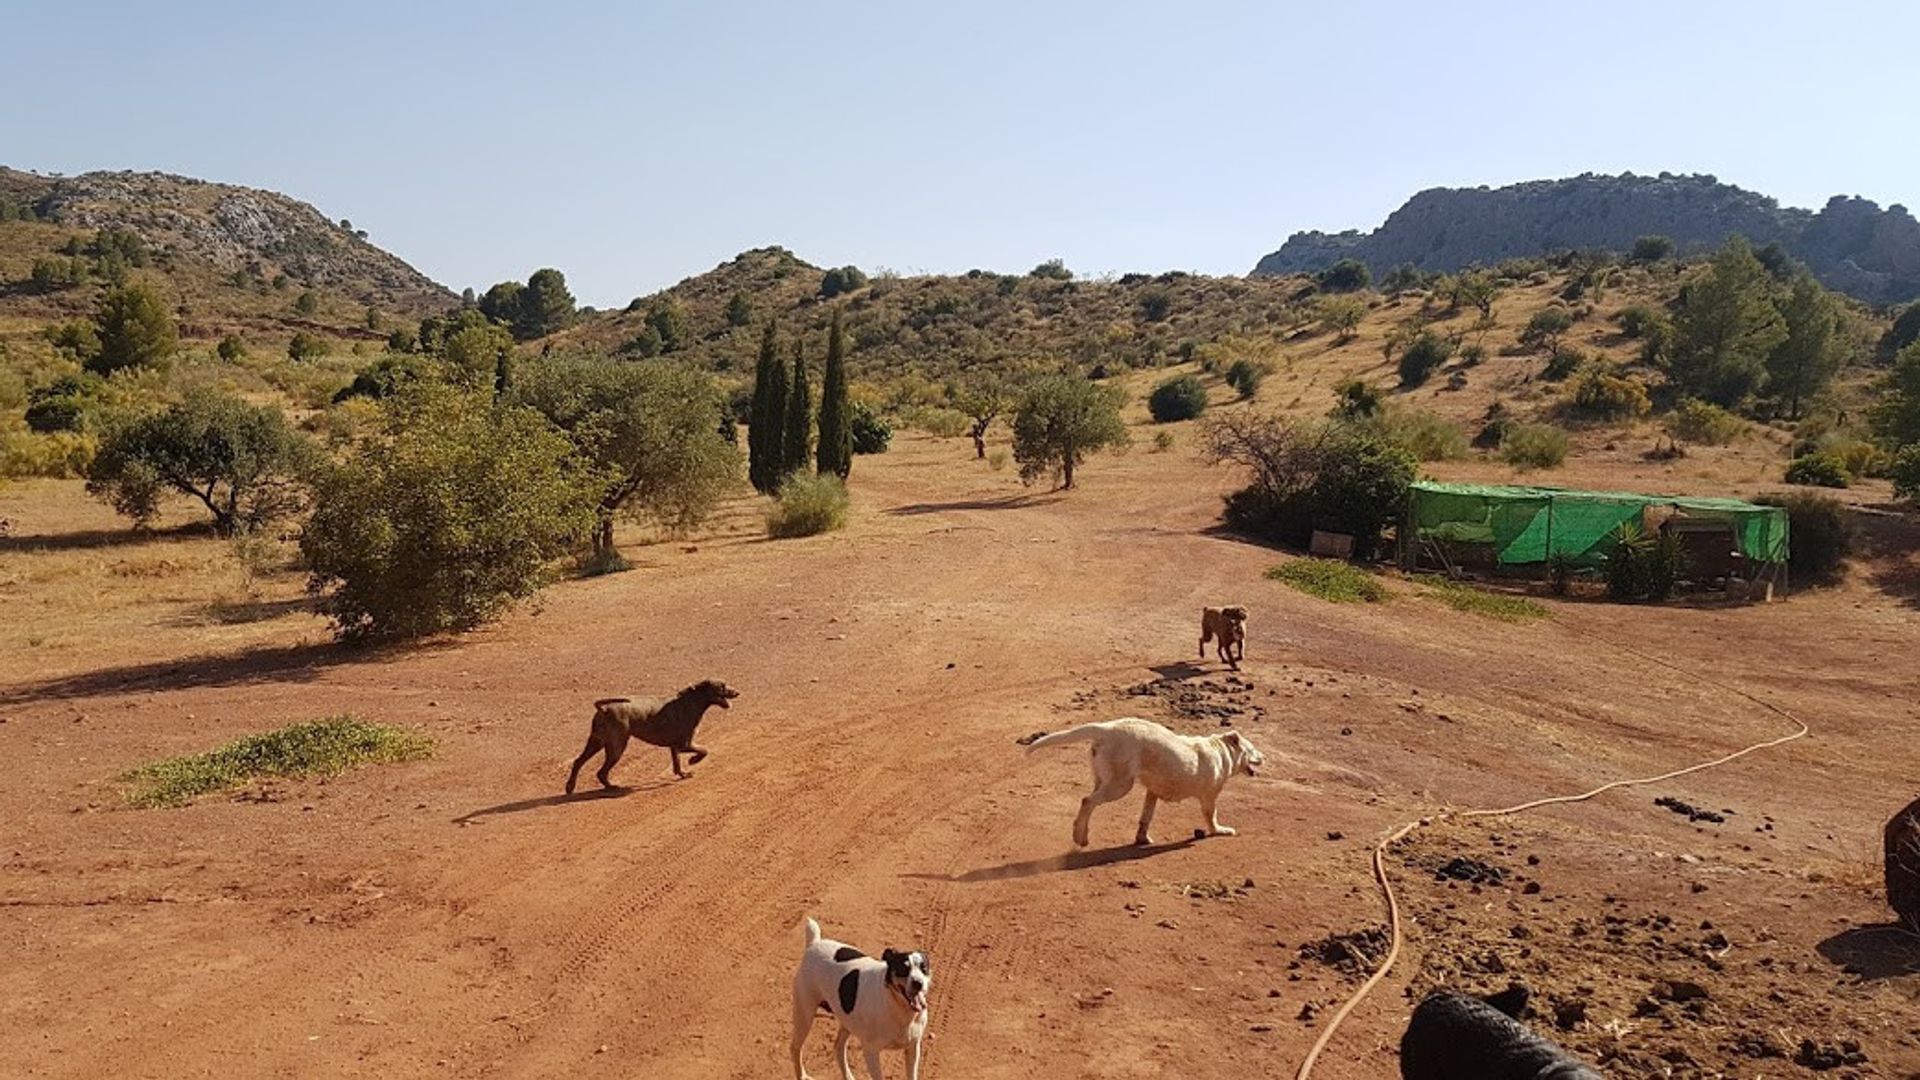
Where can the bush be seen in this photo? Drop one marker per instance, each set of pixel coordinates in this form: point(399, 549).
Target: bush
point(1334, 477)
point(1705, 423)
point(808, 504)
point(1182, 397)
point(305, 347)
point(241, 461)
point(1347, 275)
point(1356, 398)
point(64, 404)
point(445, 516)
point(1643, 567)
point(1422, 357)
point(1610, 397)
point(1331, 580)
point(231, 349)
point(1533, 446)
point(133, 328)
point(871, 432)
point(1162, 441)
point(1636, 321)
point(1156, 305)
point(1245, 376)
point(1819, 537)
point(1546, 327)
point(841, 280)
point(1052, 270)
point(1818, 470)
point(1905, 473)
point(1426, 435)
point(1648, 249)
point(1562, 362)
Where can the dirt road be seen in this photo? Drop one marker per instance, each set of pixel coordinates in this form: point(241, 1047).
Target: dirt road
point(455, 917)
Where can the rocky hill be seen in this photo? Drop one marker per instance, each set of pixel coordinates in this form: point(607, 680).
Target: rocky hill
point(222, 248)
point(1851, 244)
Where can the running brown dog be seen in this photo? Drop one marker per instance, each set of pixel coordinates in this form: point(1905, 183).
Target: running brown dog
point(1229, 626)
point(661, 723)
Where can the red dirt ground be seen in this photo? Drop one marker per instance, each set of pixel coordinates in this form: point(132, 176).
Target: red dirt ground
point(455, 917)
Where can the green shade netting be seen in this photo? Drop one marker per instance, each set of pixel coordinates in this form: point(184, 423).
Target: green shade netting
point(1530, 524)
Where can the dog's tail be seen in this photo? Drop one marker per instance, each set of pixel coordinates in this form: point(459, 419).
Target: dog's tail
point(813, 930)
point(606, 701)
point(1083, 733)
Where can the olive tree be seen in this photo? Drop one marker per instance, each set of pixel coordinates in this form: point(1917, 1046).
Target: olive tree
point(1060, 420)
point(652, 431)
point(241, 461)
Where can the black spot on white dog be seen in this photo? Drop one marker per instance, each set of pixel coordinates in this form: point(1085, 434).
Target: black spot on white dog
point(849, 991)
point(847, 952)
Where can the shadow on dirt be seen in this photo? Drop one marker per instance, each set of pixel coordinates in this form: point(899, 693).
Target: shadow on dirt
point(544, 801)
point(1885, 544)
point(287, 663)
point(1072, 860)
point(1883, 951)
point(1178, 671)
point(1010, 502)
point(93, 539)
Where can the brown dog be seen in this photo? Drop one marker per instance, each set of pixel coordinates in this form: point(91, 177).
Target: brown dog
point(661, 723)
point(1227, 625)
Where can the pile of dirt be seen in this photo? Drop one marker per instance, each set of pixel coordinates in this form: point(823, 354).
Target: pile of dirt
point(1692, 812)
point(1226, 700)
point(1355, 953)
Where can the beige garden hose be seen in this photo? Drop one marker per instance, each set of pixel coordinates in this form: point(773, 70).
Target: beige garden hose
point(1385, 880)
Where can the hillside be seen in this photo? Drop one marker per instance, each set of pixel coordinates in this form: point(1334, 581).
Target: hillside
point(231, 258)
point(1851, 244)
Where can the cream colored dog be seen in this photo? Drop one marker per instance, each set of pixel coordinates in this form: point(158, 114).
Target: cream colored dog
point(1169, 765)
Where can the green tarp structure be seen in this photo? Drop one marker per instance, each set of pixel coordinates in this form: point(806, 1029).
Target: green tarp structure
point(1530, 524)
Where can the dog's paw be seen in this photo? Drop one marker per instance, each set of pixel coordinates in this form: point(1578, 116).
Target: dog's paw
point(1223, 830)
point(1143, 840)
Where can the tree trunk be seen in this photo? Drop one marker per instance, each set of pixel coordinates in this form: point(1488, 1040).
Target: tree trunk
point(979, 447)
point(1066, 470)
point(603, 536)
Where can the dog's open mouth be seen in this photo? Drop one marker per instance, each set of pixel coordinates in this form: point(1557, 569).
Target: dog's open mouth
point(917, 1002)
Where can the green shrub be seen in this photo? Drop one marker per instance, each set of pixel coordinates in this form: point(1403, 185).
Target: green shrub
point(1051, 270)
point(231, 349)
point(1643, 567)
point(807, 505)
point(1422, 357)
point(320, 748)
point(1610, 397)
point(1245, 376)
point(841, 280)
point(1182, 397)
point(871, 432)
point(1563, 361)
point(304, 347)
point(1533, 446)
point(1333, 477)
point(1331, 580)
point(1650, 249)
point(1347, 275)
point(1355, 398)
point(1905, 473)
point(1819, 537)
point(59, 455)
point(1705, 423)
point(65, 404)
point(1427, 435)
point(1156, 305)
point(1818, 470)
point(1162, 441)
point(1546, 328)
point(132, 328)
point(446, 515)
point(1638, 319)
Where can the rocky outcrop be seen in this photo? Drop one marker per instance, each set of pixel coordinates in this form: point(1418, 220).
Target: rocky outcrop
point(1852, 244)
point(232, 229)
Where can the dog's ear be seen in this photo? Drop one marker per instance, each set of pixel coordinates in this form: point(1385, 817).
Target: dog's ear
point(1235, 740)
point(1511, 1001)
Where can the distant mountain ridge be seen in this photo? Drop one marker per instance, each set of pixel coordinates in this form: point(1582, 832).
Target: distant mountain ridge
point(227, 229)
point(1851, 244)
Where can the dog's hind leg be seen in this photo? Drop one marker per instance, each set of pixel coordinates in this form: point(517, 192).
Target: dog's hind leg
point(699, 754)
point(802, 1026)
point(616, 745)
point(840, 1052)
point(1109, 789)
point(593, 747)
point(1146, 820)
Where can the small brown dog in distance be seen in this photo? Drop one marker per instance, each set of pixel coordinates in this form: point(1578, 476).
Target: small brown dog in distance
point(661, 723)
point(1227, 625)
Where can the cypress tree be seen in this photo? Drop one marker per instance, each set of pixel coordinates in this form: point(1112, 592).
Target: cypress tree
point(796, 426)
point(766, 435)
point(836, 421)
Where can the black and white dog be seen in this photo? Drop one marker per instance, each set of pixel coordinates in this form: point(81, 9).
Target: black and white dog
point(1456, 1037)
point(881, 1002)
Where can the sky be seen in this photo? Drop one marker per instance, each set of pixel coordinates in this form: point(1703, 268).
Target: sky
point(634, 144)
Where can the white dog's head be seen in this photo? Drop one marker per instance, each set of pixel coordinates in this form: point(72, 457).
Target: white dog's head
point(1241, 752)
point(910, 975)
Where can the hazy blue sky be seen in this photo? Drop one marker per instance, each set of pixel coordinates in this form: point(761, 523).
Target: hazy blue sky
point(634, 144)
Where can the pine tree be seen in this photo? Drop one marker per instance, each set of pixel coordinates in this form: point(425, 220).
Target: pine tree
point(1802, 365)
point(766, 435)
point(1726, 328)
point(798, 422)
point(836, 420)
